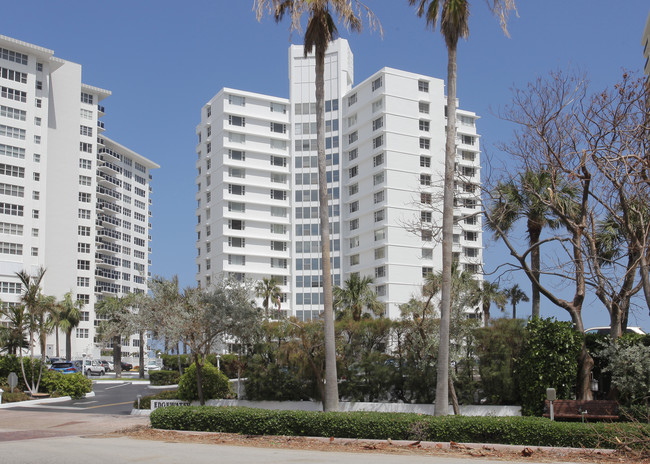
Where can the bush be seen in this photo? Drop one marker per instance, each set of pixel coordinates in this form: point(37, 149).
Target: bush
point(530, 431)
point(164, 377)
point(170, 361)
point(549, 359)
point(269, 381)
point(145, 401)
point(14, 397)
point(214, 384)
point(72, 385)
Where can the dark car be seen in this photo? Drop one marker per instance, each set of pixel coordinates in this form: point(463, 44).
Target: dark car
point(126, 366)
point(65, 367)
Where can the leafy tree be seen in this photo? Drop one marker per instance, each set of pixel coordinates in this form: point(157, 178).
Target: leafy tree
point(357, 294)
point(487, 293)
point(454, 16)
point(213, 383)
point(116, 312)
point(13, 336)
point(497, 347)
point(549, 359)
point(269, 291)
point(69, 316)
point(628, 363)
point(516, 295)
point(321, 30)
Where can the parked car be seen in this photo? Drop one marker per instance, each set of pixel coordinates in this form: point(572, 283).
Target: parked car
point(65, 367)
point(126, 366)
point(93, 367)
point(152, 365)
point(607, 330)
point(108, 366)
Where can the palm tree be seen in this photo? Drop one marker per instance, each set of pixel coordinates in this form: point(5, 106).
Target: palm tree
point(527, 197)
point(357, 294)
point(321, 30)
point(516, 295)
point(488, 293)
point(454, 15)
point(269, 291)
point(13, 336)
point(69, 318)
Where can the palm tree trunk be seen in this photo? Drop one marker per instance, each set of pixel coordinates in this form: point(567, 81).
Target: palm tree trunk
point(534, 233)
point(57, 341)
point(141, 354)
point(331, 399)
point(514, 310)
point(117, 355)
point(442, 382)
point(68, 344)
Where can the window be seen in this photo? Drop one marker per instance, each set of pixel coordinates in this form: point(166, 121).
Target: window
point(237, 260)
point(237, 155)
point(277, 211)
point(378, 179)
point(278, 161)
point(469, 203)
point(425, 161)
point(280, 263)
point(467, 139)
point(37, 121)
point(378, 141)
point(278, 229)
point(425, 179)
point(232, 172)
point(426, 216)
point(278, 195)
point(352, 99)
point(84, 214)
point(12, 132)
point(354, 224)
point(236, 120)
point(353, 171)
point(37, 158)
point(380, 272)
point(83, 265)
point(12, 152)
point(278, 178)
point(353, 189)
point(83, 247)
point(354, 206)
point(12, 75)
point(85, 130)
point(467, 171)
point(236, 189)
point(15, 113)
point(11, 287)
point(352, 120)
point(11, 229)
point(427, 253)
point(12, 190)
point(83, 231)
point(278, 246)
point(470, 236)
point(236, 100)
point(426, 271)
point(11, 248)
point(379, 215)
point(13, 210)
point(353, 137)
point(378, 196)
point(36, 176)
point(278, 108)
point(380, 234)
point(380, 253)
point(377, 123)
point(84, 197)
point(425, 143)
point(236, 138)
point(86, 98)
point(236, 207)
point(86, 114)
point(236, 224)
point(471, 220)
point(81, 333)
point(424, 125)
point(378, 160)
point(354, 260)
point(471, 268)
point(424, 107)
point(471, 252)
point(86, 147)
point(377, 105)
point(278, 127)
point(85, 180)
point(354, 242)
point(423, 86)
point(468, 156)
point(13, 94)
point(426, 235)
point(376, 84)
point(83, 281)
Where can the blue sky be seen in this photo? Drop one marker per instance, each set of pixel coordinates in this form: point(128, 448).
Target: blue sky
point(164, 60)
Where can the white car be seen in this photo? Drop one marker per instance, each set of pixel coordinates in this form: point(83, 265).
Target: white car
point(152, 365)
point(607, 330)
point(93, 367)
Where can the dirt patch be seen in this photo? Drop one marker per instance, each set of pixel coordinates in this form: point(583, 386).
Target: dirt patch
point(510, 453)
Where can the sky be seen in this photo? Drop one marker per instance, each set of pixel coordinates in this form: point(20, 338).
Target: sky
point(164, 60)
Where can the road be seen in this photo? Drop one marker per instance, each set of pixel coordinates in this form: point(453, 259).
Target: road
point(110, 398)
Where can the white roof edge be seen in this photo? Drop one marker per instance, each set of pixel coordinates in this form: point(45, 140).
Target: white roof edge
point(102, 93)
point(141, 159)
point(26, 46)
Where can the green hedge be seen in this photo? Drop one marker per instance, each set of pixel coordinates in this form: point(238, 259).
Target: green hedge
point(531, 431)
point(164, 377)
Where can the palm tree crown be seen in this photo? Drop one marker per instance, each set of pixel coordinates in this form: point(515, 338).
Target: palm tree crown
point(269, 291)
point(516, 295)
point(357, 295)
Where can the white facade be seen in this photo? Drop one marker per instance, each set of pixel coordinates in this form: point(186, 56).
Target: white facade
point(385, 143)
point(74, 202)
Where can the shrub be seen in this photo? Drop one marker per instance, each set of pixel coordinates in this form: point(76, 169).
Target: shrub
point(170, 361)
point(549, 359)
point(145, 401)
point(269, 381)
point(164, 377)
point(629, 365)
point(72, 385)
point(214, 384)
point(531, 431)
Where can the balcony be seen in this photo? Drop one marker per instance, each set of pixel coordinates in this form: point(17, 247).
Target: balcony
point(110, 234)
point(107, 260)
point(106, 246)
point(108, 193)
point(107, 287)
point(100, 109)
point(107, 274)
point(108, 206)
point(108, 179)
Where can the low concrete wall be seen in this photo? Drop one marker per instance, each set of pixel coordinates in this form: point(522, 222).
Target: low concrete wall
point(427, 409)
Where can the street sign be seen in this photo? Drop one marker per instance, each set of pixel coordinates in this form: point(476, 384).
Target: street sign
point(12, 380)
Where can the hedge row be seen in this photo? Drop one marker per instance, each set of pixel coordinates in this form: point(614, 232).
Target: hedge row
point(164, 377)
point(531, 431)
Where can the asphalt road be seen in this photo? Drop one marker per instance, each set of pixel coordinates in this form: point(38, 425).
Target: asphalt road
point(110, 398)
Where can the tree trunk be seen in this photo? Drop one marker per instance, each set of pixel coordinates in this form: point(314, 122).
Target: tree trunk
point(141, 355)
point(645, 279)
point(454, 398)
point(514, 311)
point(331, 398)
point(117, 356)
point(534, 233)
point(68, 344)
point(442, 382)
point(58, 355)
point(199, 379)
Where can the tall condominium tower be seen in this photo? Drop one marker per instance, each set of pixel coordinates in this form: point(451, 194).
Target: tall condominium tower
point(384, 141)
point(72, 201)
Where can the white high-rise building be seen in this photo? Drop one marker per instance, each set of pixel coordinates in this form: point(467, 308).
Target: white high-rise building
point(385, 142)
point(71, 200)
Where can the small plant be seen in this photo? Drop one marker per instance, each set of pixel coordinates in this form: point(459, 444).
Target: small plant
point(214, 383)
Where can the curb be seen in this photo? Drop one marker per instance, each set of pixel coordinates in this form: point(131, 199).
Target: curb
point(31, 403)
